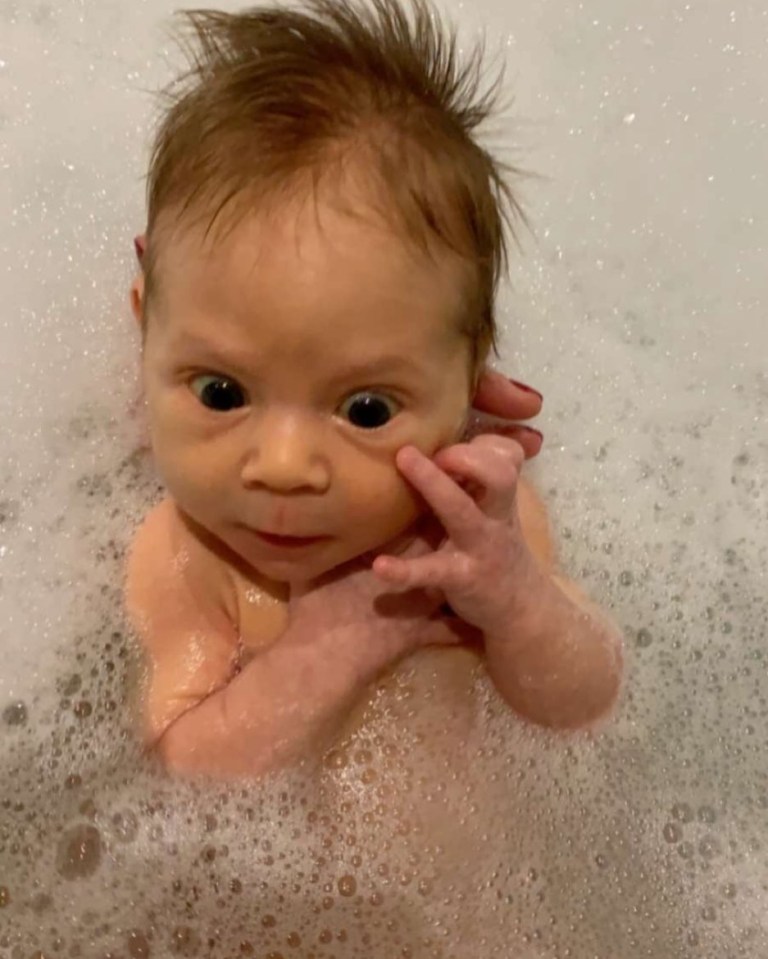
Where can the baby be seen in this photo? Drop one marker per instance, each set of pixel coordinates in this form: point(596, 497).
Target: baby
point(316, 304)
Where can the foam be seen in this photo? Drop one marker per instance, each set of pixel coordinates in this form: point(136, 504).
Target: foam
point(639, 312)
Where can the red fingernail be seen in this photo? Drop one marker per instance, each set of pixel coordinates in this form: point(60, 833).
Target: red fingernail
point(527, 389)
point(532, 430)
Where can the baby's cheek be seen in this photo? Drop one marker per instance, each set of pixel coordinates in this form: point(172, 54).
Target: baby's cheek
point(383, 511)
point(187, 474)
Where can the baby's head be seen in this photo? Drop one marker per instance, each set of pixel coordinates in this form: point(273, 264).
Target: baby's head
point(324, 241)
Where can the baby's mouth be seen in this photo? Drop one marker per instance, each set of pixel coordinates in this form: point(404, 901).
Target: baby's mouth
point(274, 539)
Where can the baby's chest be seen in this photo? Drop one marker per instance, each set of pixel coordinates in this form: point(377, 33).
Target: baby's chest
point(262, 615)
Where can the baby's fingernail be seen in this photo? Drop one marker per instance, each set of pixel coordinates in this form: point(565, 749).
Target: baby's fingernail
point(139, 247)
point(532, 430)
point(527, 389)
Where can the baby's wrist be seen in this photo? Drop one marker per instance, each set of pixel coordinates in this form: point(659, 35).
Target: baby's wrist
point(361, 652)
point(521, 603)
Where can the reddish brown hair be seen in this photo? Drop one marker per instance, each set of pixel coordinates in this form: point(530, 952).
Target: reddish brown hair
point(276, 99)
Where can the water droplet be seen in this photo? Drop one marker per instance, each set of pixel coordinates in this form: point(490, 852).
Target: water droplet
point(347, 886)
point(138, 947)
point(79, 852)
point(69, 685)
point(125, 826)
point(672, 832)
point(259, 597)
point(682, 812)
point(336, 759)
point(629, 118)
point(709, 847)
point(41, 903)
point(15, 714)
point(185, 942)
point(643, 638)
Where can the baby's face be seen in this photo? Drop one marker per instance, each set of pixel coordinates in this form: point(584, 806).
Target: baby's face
point(283, 369)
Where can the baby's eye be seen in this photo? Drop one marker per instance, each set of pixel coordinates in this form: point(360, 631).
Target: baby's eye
point(218, 393)
point(368, 410)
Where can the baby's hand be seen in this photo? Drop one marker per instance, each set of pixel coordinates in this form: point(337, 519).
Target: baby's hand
point(484, 558)
point(391, 624)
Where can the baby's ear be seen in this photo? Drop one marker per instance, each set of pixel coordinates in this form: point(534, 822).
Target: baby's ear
point(137, 287)
point(140, 245)
point(137, 299)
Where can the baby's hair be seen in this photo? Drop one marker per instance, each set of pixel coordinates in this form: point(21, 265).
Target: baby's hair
point(278, 101)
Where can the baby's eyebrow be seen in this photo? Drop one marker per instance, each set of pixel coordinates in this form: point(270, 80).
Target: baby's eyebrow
point(393, 363)
point(209, 349)
point(389, 363)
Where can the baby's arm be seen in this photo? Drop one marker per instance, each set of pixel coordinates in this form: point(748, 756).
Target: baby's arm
point(558, 660)
point(203, 716)
point(176, 599)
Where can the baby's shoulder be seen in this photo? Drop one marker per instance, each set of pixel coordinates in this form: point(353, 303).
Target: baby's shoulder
point(165, 549)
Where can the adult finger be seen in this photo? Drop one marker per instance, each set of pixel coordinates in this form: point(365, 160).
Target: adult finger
point(502, 397)
point(529, 438)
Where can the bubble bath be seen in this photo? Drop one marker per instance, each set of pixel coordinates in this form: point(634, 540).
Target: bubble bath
point(440, 830)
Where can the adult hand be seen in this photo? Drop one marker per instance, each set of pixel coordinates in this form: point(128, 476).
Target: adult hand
point(501, 398)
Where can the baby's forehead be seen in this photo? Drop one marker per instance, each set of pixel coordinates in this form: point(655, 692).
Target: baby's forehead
point(335, 199)
point(336, 252)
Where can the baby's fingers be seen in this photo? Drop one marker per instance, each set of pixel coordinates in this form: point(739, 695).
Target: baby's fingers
point(487, 468)
point(428, 572)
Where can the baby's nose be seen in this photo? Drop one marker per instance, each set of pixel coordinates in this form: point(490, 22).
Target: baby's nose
point(286, 457)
